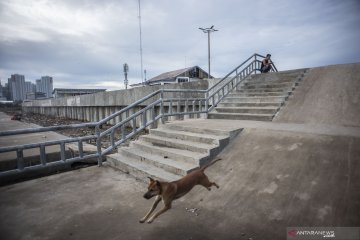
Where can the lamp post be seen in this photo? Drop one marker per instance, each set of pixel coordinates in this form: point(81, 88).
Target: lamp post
point(126, 70)
point(208, 31)
point(141, 50)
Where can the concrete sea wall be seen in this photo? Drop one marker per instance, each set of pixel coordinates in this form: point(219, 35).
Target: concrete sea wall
point(94, 107)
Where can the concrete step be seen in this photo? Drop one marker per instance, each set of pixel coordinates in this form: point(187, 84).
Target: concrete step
point(278, 79)
point(269, 85)
point(264, 90)
point(280, 75)
point(187, 136)
point(255, 93)
point(139, 169)
point(273, 99)
point(177, 143)
point(249, 104)
point(170, 152)
point(178, 127)
point(242, 116)
point(253, 110)
point(174, 166)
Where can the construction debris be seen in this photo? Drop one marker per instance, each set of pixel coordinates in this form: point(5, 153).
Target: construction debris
point(47, 121)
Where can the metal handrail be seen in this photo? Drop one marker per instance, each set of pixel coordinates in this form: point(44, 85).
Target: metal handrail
point(199, 105)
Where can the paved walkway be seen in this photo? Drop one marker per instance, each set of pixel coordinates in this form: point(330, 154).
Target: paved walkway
point(322, 129)
point(272, 176)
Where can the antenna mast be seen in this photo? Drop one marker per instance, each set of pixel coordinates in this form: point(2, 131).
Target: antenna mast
point(141, 56)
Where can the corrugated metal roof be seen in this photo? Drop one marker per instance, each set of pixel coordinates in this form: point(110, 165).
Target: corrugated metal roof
point(171, 74)
point(68, 90)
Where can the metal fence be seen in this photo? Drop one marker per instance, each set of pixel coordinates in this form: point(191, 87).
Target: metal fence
point(180, 102)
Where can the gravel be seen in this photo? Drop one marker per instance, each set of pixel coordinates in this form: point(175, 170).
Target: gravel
point(46, 121)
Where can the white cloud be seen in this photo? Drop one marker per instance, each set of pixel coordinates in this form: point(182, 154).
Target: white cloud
point(87, 41)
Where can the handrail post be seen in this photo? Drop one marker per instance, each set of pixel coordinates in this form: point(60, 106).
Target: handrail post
point(20, 159)
point(255, 63)
point(42, 155)
point(62, 151)
point(206, 105)
point(162, 106)
point(186, 110)
point(98, 145)
point(237, 77)
point(178, 109)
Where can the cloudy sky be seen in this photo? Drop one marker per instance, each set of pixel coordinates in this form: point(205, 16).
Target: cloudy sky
point(84, 43)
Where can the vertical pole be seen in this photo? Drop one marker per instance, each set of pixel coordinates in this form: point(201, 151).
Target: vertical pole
point(98, 145)
point(62, 151)
point(123, 134)
point(162, 107)
point(178, 110)
point(81, 151)
point(153, 125)
point(256, 64)
point(112, 138)
point(209, 53)
point(126, 81)
point(207, 102)
point(42, 155)
point(144, 119)
point(141, 56)
point(20, 159)
point(206, 105)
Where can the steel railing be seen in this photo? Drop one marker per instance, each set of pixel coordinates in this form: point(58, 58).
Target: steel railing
point(158, 107)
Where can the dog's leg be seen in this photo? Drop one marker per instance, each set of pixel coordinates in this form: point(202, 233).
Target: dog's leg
point(166, 207)
point(208, 187)
point(207, 184)
point(157, 200)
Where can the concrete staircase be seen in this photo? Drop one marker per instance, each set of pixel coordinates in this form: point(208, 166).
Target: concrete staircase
point(259, 98)
point(170, 151)
point(175, 149)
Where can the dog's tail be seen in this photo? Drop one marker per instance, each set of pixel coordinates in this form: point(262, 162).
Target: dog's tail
point(209, 164)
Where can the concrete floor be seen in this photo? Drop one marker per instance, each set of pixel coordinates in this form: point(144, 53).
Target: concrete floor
point(269, 180)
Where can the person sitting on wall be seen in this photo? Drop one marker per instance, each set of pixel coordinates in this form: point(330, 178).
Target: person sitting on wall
point(266, 64)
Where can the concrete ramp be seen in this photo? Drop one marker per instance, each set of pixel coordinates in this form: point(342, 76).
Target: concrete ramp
point(269, 179)
point(273, 179)
point(327, 95)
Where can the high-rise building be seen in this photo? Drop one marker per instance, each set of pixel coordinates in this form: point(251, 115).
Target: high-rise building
point(2, 97)
point(6, 91)
point(33, 87)
point(28, 87)
point(45, 85)
point(17, 87)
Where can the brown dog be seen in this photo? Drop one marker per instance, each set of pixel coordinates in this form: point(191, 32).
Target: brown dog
point(169, 191)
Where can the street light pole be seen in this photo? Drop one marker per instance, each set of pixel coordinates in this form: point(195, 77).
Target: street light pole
point(141, 50)
point(208, 31)
point(126, 70)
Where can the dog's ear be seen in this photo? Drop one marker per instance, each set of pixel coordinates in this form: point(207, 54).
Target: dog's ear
point(151, 180)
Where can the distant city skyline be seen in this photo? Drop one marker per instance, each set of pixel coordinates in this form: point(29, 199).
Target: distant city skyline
point(18, 89)
point(45, 85)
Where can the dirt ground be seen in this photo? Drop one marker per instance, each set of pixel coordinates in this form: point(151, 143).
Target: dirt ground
point(47, 121)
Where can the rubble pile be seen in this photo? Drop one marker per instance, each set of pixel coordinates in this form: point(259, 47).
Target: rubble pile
point(47, 121)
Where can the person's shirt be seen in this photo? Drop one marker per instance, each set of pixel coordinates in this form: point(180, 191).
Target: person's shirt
point(266, 61)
